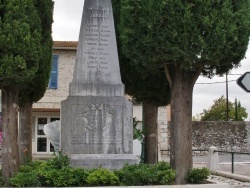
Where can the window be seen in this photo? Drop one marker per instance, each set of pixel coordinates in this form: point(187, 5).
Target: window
point(53, 81)
point(42, 142)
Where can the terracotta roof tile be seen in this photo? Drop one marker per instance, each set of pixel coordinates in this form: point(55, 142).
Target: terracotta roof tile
point(65, 44)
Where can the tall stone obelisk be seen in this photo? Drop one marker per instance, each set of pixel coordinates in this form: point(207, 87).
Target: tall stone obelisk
point(96, 119)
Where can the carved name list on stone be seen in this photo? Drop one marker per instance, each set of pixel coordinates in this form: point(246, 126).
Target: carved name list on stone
point(97, 61)
point(97, 39)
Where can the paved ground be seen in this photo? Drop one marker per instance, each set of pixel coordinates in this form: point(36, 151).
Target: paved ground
point(241, 169)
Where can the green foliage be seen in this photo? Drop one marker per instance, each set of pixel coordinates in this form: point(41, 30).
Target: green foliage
point(20, 42)
point(141, 82)
point(163, 173)
point(136, 174)
point(55, 172)
point(25, 179)
point(184, 34)
point(102, 177)
point(65, 177)
point(55, 163)
point(137, 132)
point(218, 111)
point(144, 174)
point(36, 87)
point(197, 175)
point(58, 161)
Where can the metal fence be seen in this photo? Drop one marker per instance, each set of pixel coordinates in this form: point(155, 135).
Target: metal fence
point(232, 156)
point(220, 151)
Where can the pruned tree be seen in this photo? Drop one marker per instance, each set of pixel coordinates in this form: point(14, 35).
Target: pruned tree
point(34, 89)
point(187, 38)
point(20, 51)
point(147, 87)
point(218, 111)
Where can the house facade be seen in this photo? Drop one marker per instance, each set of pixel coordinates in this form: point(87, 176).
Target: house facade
point(48, 108)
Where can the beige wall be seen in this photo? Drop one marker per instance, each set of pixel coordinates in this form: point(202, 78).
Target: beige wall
point(53, 97)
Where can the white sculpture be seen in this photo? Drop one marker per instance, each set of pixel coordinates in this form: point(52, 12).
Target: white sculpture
point(53, 132)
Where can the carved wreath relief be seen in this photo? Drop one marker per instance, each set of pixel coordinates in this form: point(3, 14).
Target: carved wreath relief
point(96, 123)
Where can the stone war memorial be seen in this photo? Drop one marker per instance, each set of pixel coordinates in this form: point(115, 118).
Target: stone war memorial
point(96, 118)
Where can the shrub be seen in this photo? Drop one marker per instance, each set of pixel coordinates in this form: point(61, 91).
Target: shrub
point(56, 172)
point(137, 174)
point(58, 161)
point(43, 168)
point(162, 173)
point(102, 177)
point(80, 175)
point(25, 179)
point(197, 175)
point(64, 177)
point(144, 174)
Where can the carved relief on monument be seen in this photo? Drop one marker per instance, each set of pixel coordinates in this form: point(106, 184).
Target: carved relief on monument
point(96, 124)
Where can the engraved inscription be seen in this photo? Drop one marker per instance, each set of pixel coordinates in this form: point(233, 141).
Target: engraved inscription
point(97, 37)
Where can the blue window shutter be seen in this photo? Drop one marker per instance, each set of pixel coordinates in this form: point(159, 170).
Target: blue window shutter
point(53, 82)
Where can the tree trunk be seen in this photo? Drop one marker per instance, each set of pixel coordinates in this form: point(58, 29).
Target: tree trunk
point(25, 133)
point(10, 155)
point(181, 159)
point(150, 110)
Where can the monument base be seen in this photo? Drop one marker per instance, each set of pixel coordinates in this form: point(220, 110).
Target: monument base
point(108, 161)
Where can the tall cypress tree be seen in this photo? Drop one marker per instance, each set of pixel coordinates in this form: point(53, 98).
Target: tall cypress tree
point(148, 87)
point(35, 89)
point(20, 52)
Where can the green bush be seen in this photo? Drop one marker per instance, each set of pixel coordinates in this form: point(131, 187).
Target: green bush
point(56, 172)
point(27, 176)
point(58, 161)
point(162, 173)
point(137, 174)
point(25, 179)
point(197, 175)
point(144, 174)
point(43, 168)
point(65, 177)
point(102, 177)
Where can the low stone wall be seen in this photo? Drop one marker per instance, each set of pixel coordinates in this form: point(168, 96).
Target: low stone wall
point(226, 136)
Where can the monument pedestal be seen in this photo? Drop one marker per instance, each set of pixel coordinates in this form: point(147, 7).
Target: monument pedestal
point(108, 161)
point(97, 131)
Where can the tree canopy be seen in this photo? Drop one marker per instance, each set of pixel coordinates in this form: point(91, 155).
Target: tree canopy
point(218, 111)
point(36, 87)
point(183, 33)
point(187, 38)
point(20, 40)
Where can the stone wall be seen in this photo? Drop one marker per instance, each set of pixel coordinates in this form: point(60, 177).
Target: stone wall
point(226, 136)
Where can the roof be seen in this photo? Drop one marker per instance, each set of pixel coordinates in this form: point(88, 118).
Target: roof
point(65, 45)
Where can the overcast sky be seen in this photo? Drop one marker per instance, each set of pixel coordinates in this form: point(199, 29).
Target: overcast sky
point(66, 26)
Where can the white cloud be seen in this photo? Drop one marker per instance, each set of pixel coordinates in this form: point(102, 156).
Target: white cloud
point(67, 19)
